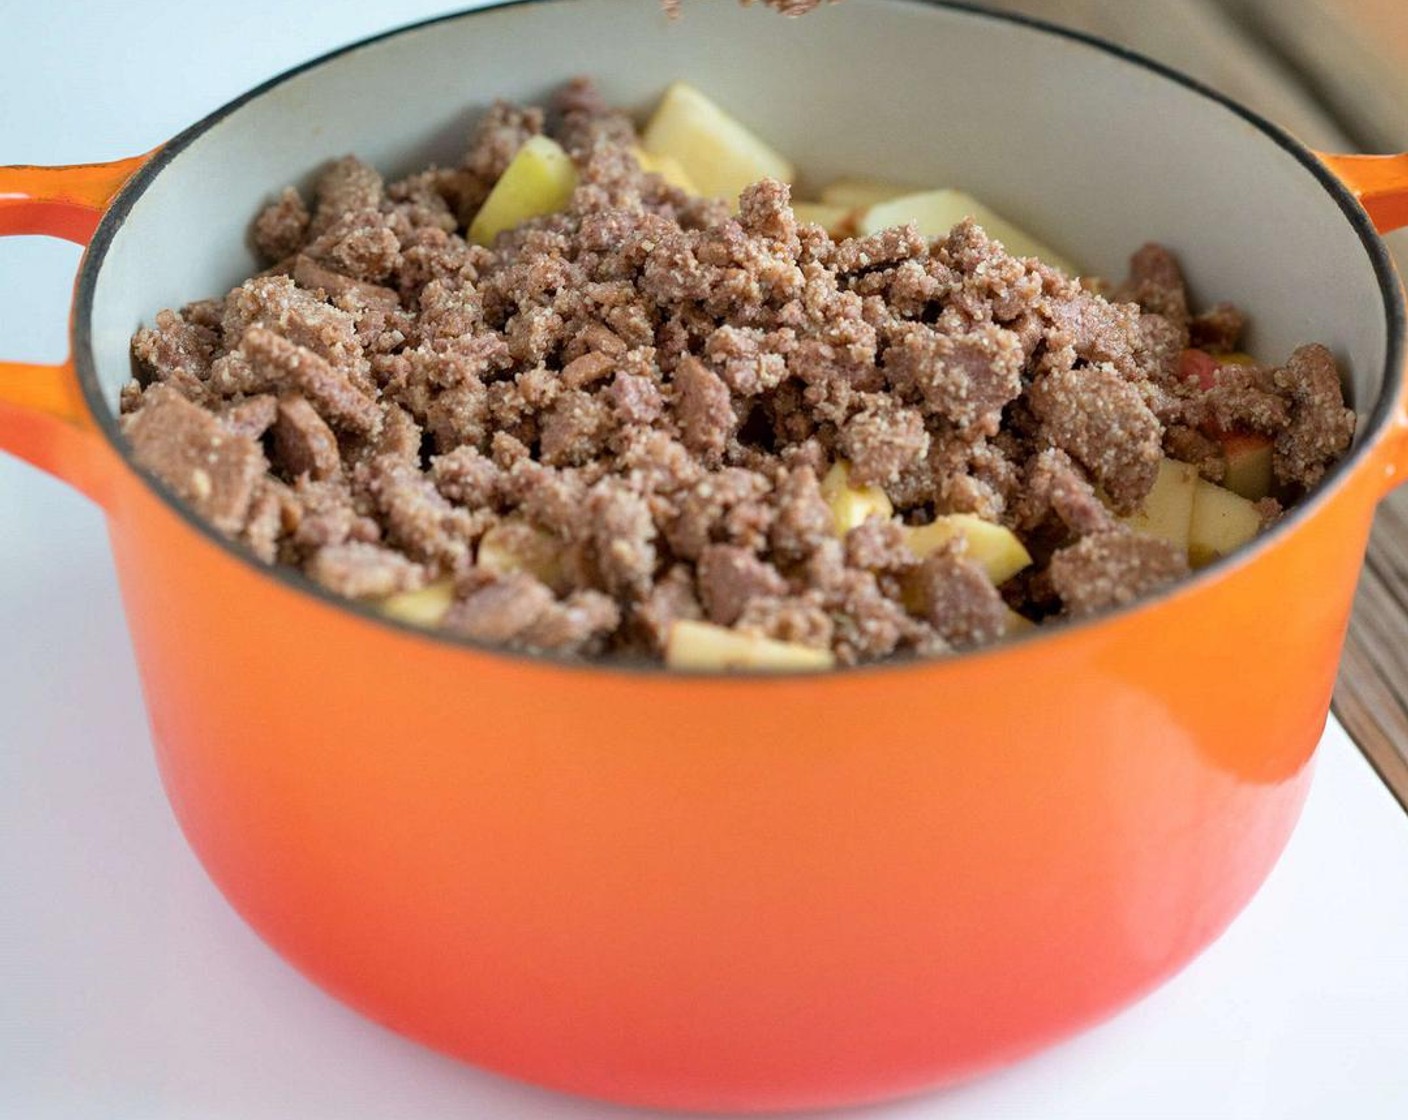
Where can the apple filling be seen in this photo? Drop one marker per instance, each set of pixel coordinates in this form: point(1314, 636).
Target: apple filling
point(640, 391)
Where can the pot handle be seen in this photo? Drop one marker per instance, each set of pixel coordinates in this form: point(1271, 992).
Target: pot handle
point(1380, 183)
point(43, 418)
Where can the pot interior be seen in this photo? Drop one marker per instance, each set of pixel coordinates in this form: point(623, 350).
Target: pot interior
point(1091, 151)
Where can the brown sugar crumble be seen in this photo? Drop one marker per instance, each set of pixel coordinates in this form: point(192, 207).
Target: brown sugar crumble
point(628, 415)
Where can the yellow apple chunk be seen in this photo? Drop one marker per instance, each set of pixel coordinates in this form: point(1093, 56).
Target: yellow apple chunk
point(1222, 522)
point(718, 154)
point(425, 607)
point(702, 645)
point(937, 212)
point(836, 220)
point(668, 168)
point(862, 194)
point(1017, 623)
point(1248, 465)
point(851, 505)
point(516, 546)
point(994, 548)
point(1167, 512)
point(539, 180)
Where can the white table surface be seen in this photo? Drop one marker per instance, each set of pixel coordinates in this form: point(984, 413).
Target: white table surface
point(128, 989)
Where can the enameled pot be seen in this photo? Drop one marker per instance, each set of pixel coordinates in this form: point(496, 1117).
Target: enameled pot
point(741, 892)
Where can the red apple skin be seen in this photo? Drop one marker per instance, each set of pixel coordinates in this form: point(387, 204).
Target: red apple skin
point(1199, 366)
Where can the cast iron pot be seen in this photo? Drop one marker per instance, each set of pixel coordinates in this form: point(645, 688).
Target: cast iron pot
point(739, 892)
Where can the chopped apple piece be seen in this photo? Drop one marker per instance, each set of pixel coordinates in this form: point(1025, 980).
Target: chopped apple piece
point(1222, 522)
point(862, 194)
point(851, 505)
point(937, 212)
point(516, 546)
point(668, 168)
point(425, 607)
point(718, 154)
point(1167, 512)
point(1248, 457)
point(702, 645)
point(1017, 623)
point(539, 180)
point(1199, 366)
point(912, 593)
point(995, 548)
point(836, 220)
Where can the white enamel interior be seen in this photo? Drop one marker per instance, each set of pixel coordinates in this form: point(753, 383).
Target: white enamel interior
point(1092, 153)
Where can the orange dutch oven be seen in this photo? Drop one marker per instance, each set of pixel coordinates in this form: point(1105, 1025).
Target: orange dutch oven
point(743, 892)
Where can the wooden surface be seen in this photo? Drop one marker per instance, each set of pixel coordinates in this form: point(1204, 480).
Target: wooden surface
point(1335, 73)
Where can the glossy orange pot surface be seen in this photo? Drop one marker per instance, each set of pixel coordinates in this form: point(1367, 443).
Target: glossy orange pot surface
point(719, 892)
